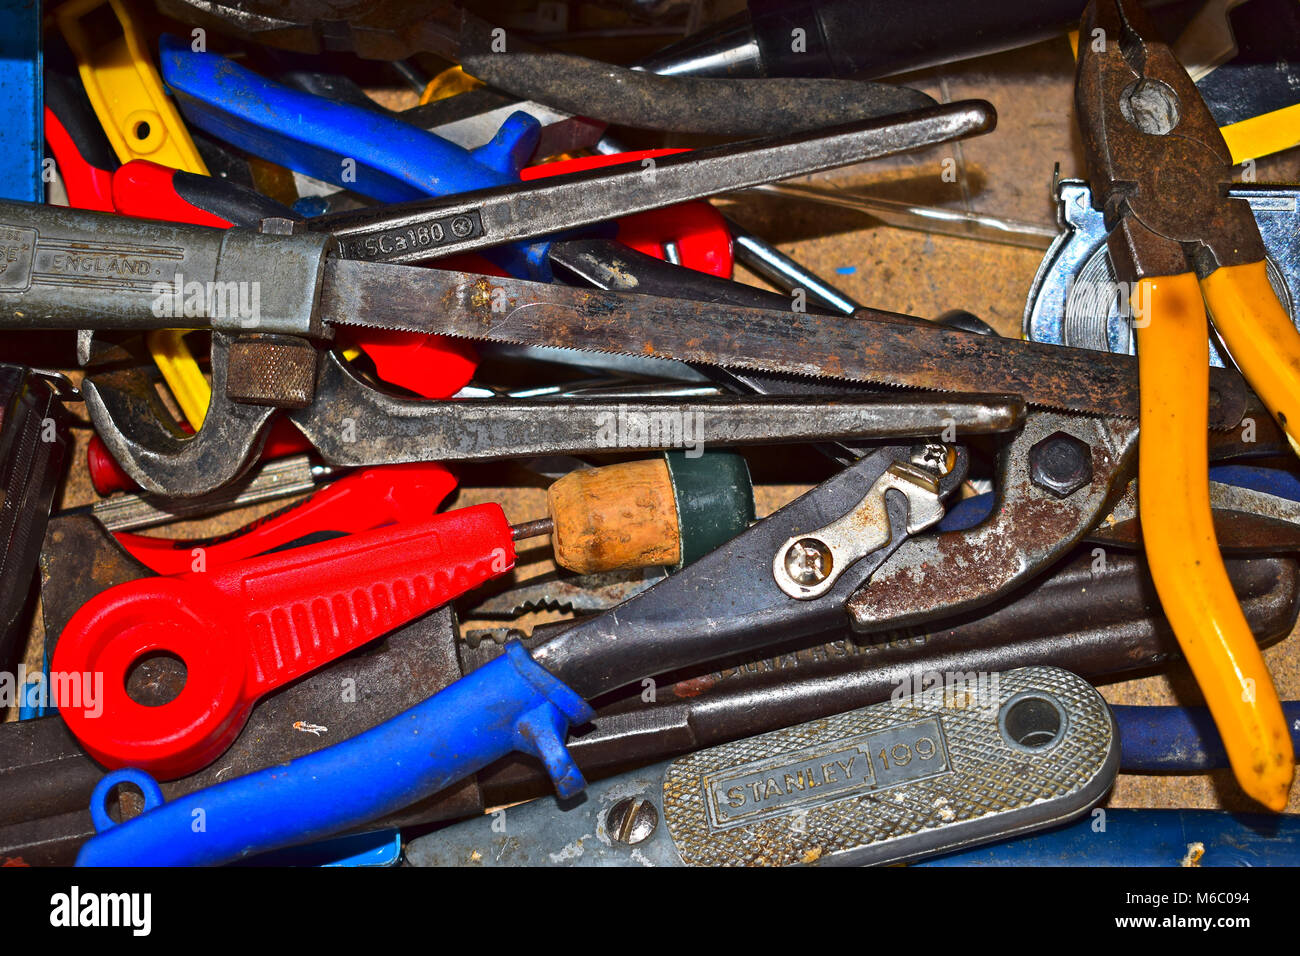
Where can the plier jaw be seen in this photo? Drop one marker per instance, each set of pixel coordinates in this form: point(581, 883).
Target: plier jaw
point(1160, 170)
point(1159, 167)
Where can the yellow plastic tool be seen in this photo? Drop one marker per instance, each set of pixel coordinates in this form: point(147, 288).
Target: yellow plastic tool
point(1160, 167)
point(1178, 534)
point(1263, 135)
point(125, 90)
point(140, 122)
point(1261, 338)
point(450, 82)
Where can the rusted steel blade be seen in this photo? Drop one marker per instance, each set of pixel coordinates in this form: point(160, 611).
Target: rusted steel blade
point(882, 348)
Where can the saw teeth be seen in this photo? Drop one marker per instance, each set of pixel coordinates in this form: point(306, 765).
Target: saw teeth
point(748, 366)
point(751, 366)
point(545, 603)
point(493, 635)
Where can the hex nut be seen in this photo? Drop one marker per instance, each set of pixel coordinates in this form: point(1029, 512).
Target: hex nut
point(1060, 464)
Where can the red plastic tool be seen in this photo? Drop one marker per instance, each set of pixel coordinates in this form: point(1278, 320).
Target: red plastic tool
point(698, 230)
point(247, 628)
point(88, 186)
point(360, 501)
point(152, 191)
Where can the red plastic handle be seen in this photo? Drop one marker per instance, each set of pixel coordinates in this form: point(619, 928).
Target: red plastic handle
point(147, 190)
point(249, 627)
point(698, 230)
point(363, 500)
point(88, 186)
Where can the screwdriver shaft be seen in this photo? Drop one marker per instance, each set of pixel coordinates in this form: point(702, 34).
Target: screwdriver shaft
point(532, 529)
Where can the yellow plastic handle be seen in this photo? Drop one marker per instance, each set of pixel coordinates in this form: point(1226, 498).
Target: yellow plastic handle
point(1263, 135)
point(1261, 338)
point(125, 90)
point(450, 82)
point(182, 374)
point(1178, 534)
point(140, 122)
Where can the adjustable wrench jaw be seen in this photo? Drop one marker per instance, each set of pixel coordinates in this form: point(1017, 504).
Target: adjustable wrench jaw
point(137, 431)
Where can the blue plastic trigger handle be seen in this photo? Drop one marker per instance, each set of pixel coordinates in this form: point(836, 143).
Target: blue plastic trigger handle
point(511, 703)
point(348, 146)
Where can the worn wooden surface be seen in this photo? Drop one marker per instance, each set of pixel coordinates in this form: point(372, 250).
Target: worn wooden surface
point(1008, 173)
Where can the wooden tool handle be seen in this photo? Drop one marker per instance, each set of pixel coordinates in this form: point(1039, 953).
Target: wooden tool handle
point(619, 516)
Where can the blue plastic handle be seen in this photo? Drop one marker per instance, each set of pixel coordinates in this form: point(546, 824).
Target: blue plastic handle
point(1178, 739)
point(348, 146)
point(1122, 837)
point(1269, 481)
point(510, 704)
point(22, 133)
point(374, 848)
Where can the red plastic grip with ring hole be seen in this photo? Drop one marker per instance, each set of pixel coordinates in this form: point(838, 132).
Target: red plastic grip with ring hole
point(360, 501)
point(246, 628)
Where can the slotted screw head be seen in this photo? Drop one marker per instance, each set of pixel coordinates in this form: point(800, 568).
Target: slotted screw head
point(631, 820)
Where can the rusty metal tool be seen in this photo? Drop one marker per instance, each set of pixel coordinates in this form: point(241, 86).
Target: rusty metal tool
point(395, 30)
point(1099, 619)
point(352, 424)
point(881, 348)
point(1160, 169)
point(794, 576)
point(307, 292)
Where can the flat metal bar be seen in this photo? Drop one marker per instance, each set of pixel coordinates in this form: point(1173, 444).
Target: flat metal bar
point(426, 229)
point(278, 478)
point(385, 430)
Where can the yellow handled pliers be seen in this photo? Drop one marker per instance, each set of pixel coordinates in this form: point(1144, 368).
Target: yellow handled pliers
point(1160, 170)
